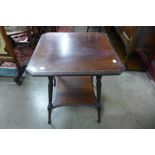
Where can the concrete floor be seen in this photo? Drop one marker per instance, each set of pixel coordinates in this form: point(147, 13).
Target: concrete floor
point(129, 102)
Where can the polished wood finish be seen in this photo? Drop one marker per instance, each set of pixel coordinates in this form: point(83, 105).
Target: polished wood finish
point(74, 54)
point(70, 60)
point(74, 90)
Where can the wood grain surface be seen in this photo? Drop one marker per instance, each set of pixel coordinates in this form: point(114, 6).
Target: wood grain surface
point(77, 53)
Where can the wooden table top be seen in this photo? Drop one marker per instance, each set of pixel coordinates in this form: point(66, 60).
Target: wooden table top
point(77, 53)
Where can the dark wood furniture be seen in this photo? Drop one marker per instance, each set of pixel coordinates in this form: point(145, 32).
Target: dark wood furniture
point(35, 32)
point(7, 54)
point(6, 49)
point(70, 60)
point(128, 36)
point(138, 39)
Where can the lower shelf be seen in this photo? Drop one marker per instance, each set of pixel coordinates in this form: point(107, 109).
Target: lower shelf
point(74, 90)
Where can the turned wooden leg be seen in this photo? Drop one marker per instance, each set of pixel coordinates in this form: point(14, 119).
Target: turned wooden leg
point(19, 78)
point(54, 82)
point(50, 93)
point(98, 86)
point(99, 114)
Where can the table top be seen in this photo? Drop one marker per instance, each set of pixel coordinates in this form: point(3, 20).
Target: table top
point(76, 53)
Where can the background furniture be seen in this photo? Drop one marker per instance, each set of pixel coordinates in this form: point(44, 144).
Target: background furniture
point(6, 49)
point(138, 39)
point(35, 32)
point(13, 52)
point(139, 43)
point(98, 28)
point(7, 53)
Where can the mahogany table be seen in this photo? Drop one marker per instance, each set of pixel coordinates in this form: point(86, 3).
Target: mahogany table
point(70, 60)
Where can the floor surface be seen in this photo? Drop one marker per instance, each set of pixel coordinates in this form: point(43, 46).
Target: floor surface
point(128, 101)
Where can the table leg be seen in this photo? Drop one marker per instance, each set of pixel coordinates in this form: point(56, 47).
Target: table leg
point(50, 93)
point(54, 82)
point(98, 86)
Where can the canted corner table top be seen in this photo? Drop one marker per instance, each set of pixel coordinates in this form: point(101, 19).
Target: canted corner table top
point(76, 53)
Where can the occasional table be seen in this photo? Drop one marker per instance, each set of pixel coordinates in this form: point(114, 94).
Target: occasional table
point(70, 61)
